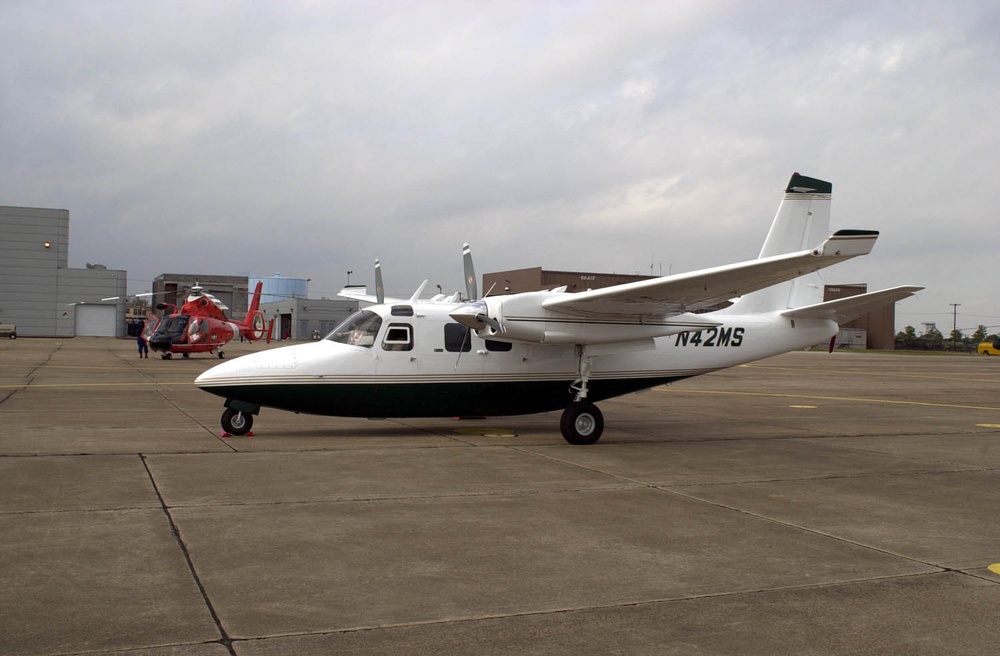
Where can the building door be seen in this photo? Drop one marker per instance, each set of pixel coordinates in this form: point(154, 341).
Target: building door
point(95, 321)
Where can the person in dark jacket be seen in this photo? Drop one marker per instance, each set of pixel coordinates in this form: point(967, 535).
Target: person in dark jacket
point(143, 347)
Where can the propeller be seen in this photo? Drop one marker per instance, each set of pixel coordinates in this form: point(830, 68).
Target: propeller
point(379, 289)
point(471, 288)
point(474, 313)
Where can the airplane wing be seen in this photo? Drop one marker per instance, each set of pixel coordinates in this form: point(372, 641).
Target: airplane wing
point(847, 309)
point(698, 290)
point(358, 294)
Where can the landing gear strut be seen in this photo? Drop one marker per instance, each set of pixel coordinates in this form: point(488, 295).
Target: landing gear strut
point(582, 423)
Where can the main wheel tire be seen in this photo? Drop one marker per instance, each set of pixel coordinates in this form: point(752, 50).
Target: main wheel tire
point(221, 355)
point(236, 422)
point(582, 423)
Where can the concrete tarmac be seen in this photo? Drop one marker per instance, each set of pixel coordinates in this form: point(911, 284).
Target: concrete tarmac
point(811, 503)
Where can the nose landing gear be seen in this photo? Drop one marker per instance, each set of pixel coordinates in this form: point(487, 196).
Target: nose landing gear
point(236, 422)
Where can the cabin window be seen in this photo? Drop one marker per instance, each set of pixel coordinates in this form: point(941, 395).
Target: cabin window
point(359, 329)
point(457, 338)
point(494, 345)
point(401, 311)
point(398, 337)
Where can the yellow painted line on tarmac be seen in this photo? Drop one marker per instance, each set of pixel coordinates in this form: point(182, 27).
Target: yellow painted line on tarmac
point(988, 425)
point(995, 568)
point(133, 384)
point(804, 407)
point(813, 397)
point(857, 370)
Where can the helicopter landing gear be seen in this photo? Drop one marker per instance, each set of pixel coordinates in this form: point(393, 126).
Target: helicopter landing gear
point(582, 423)
point(222, 355)
point(236, 422)
point(167, 356)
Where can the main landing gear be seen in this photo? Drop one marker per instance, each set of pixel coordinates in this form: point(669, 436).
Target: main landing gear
point(582, 422)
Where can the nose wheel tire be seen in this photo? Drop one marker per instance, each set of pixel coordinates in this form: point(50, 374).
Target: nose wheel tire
point(582, 423)
point(236, 422)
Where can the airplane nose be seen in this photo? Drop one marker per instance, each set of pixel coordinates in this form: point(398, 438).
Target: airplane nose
point(266, 366)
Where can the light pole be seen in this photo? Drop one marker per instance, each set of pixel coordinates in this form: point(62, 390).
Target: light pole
point(954, 323)
point(349, 278)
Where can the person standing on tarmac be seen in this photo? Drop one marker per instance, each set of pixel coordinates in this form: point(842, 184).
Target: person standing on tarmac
point(143, 347)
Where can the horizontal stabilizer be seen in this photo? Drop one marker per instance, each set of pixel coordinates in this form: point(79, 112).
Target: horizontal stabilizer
point(847, 309)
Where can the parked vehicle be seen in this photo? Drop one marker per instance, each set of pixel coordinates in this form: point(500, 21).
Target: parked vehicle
point(988, 348)
point(8, 330)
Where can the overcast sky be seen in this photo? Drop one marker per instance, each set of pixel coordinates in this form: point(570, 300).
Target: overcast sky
point(310, 138)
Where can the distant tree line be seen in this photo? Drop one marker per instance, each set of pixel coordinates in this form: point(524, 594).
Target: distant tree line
point(933, 340)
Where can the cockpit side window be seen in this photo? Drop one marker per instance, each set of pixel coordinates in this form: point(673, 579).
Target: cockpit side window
point(359, 329)
point(398, 337)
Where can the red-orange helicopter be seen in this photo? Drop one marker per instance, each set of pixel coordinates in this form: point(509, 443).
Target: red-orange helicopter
point(201, 325)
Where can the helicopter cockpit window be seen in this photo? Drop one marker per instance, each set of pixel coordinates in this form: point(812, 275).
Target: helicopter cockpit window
point(173, 326)
point(359, 329)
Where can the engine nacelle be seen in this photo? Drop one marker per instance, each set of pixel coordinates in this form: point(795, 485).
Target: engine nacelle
point(521, 318)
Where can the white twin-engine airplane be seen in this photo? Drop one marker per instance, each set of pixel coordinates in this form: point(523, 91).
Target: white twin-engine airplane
point(550, 350)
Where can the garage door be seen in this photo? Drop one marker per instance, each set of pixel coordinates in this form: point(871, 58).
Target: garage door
point(96, 320)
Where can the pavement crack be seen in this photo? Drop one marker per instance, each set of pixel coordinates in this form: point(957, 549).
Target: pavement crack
point(226, 640)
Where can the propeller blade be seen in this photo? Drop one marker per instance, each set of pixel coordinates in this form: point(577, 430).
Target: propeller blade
point(379, 289)
point(471, 288)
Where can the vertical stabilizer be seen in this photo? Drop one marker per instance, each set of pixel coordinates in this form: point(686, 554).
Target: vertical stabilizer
point(802, 222)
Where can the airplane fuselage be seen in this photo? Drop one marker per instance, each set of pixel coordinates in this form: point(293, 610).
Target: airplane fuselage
point(537, 351)
point(427, 365)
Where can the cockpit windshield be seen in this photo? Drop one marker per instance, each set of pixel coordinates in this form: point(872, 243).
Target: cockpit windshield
point(173, 326)
point(359, 329)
